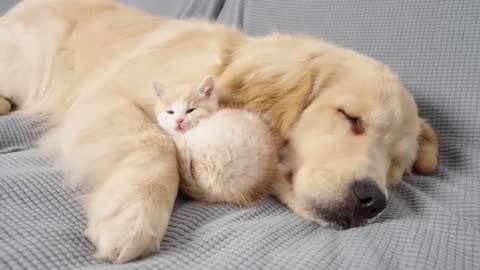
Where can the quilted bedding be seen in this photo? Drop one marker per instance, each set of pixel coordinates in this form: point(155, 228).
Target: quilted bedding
point(431, 222)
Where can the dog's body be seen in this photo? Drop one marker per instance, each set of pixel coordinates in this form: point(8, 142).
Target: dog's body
point(351, 125)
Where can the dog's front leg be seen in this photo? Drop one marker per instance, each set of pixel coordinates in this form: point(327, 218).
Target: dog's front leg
point(129, 167)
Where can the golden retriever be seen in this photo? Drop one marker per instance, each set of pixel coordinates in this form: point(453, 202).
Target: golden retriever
point(349, 127)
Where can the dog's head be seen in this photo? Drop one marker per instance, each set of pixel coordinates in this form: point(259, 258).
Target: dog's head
point(353, 128)
point(357, 137)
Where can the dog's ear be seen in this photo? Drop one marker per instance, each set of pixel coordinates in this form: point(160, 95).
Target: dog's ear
point(5, 106)
point(426, 160)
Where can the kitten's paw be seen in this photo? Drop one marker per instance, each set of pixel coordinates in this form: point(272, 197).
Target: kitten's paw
point(5, 106)
point(125, 229)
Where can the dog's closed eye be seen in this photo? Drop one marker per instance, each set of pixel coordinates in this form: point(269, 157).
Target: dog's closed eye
point(355, 122)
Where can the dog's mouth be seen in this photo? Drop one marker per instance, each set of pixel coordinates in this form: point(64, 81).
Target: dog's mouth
point(341, 218)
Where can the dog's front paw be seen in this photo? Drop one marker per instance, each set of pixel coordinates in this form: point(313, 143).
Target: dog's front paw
point(125, 228)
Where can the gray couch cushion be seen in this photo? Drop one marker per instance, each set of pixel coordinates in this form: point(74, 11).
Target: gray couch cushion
point(6, 4)
point(175, 8)
point(180, 8)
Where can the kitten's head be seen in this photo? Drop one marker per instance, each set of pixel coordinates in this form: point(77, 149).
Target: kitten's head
point(180, 108)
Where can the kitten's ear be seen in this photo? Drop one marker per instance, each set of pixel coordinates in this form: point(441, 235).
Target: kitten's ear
point(207, 86)
point(159, 88)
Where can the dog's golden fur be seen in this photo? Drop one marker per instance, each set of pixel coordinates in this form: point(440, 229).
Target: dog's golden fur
point(89, 65)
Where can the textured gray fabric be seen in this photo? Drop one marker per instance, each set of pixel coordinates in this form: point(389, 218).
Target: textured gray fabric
point(431, 222)
point(6, 4)
point(175, 8)
point(180, 8)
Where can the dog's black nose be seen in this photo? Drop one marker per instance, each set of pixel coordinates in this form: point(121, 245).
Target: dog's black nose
point(370, 199)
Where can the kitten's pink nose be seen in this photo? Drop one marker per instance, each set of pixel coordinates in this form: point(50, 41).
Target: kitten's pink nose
point(179, 121)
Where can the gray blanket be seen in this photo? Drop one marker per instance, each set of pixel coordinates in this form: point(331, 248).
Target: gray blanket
point(431, 222)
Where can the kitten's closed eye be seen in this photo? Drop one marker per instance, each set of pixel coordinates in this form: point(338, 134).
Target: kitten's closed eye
point(190, 110)
point(170, 112)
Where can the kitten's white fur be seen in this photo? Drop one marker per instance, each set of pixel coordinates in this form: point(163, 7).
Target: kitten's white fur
point(224, 155)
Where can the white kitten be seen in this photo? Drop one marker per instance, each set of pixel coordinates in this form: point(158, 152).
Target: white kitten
point(180, 109)
point(224, 155)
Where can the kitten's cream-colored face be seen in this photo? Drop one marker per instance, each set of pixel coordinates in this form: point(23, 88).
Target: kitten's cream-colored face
point(180, 108)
